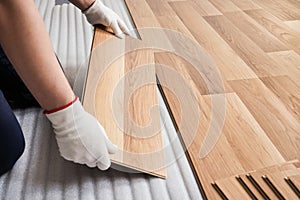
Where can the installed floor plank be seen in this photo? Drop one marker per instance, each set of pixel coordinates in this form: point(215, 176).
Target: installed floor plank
point(246, 4)
point(288, 92)
point(205, 8)
point(296, 180)
point(276, 174)
point(281, 9)
point(264, 39)
point(251, 53)
point(295, 25)
point(232, 188)
point(225, 5)
point(229, 63)
point(272, 115)
point(277, 28)
point(289, 62)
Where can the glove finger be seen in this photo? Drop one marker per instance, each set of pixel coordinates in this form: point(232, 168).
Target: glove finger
point(115, 27)
point(104, 163)
point(111, 148)
point(102, 130)
point(123, 27)
point(91, 165)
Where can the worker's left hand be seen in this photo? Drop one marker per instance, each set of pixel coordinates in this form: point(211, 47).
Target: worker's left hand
point(80, 137)
point(98, 13)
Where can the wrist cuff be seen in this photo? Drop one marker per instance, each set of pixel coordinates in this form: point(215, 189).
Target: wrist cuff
point(60, 108)
point(88, 7)
point(93, 8)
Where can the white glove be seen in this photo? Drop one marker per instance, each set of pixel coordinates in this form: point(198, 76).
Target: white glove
point(98, 13)
point(80, 137)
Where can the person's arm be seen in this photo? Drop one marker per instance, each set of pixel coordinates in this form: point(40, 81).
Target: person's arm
point(24, 39)
point(82, 4)
point(27, 45)
point(97, 13)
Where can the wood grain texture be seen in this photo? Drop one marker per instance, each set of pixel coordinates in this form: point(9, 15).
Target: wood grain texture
point(294, 24)
point(276, 174)
point(259, 35)
point(250, 52)
point(246, 4)
point(229, 63)
point(277, 28)
point(225, 5)
point(232, 188)
point(287, 91)
point(205, 8)
point(284, 10)
point(272, 115)
point(255, 47)
point(296, 180)
point(113, 95)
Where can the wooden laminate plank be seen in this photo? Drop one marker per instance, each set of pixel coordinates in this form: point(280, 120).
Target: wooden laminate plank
point(160, 8)
point(287, 59)
point(254, 56)
point(113, 95)
point(205, 8)
point(186, 70)
point(228, 62)
point(257, 176)
point(272, 115)
point(225, 5)
point(281, 9)
point(289, 62)
point(287, 91)
point(97, 73)
point(276, 174)
point(142, 14)
point(257, 189)
point(295, 25)
point(277, 28)
point(296, 180)
point(232, 189)
point(139, 9)
point(246, 4)
point(288, 173)
point(259, 35)
point(295, 3)
point(233, 154)
point(142, 129)
point(174, 23)
point(277, 178)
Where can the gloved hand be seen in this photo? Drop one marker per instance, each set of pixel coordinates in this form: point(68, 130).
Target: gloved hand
point(80, 137)
point(98, 13)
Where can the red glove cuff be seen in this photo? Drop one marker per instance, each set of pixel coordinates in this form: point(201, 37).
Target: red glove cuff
point(60, 108)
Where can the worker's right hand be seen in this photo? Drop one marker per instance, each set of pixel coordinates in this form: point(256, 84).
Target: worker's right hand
point(80, 137)
point(98, 13)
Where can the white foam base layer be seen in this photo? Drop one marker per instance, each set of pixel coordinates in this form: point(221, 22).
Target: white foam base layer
point(42, 174)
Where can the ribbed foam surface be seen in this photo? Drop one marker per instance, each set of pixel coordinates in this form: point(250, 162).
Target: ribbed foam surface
point(42, 174)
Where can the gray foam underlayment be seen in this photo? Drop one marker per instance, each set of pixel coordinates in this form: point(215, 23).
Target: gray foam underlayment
point(42, 174)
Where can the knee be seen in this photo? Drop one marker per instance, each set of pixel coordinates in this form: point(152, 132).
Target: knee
point(12, 153)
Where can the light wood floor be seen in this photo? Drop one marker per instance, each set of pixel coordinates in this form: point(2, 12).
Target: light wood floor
point(255, 45)
point(254, 114)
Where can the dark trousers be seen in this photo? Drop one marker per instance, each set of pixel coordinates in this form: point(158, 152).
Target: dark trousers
point(13, 94)
point(12, 142)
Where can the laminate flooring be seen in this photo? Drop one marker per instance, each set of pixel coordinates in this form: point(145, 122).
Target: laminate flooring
point(229, 71)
